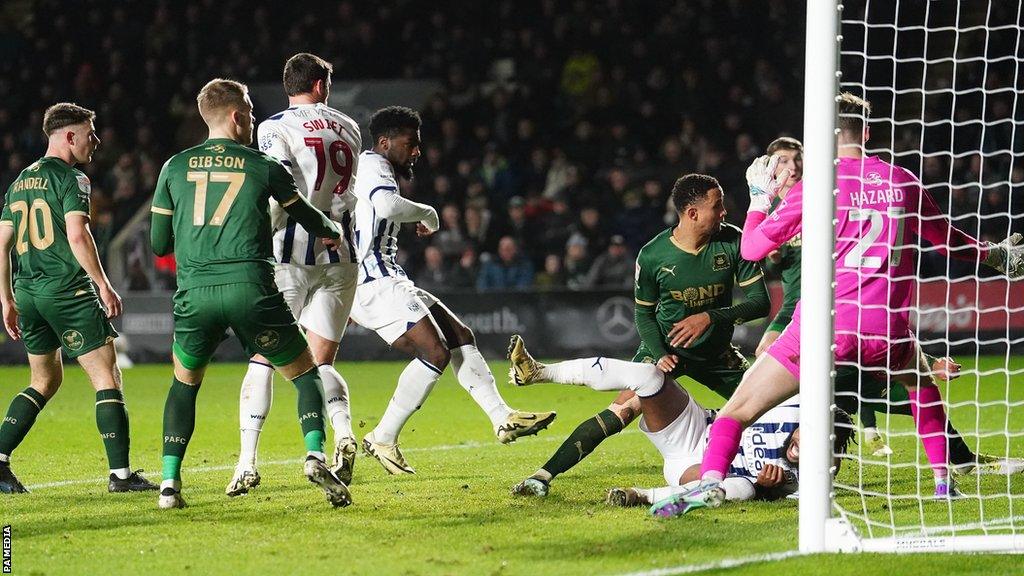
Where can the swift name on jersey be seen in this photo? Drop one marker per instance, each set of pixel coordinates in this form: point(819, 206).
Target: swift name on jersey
point(319, 145)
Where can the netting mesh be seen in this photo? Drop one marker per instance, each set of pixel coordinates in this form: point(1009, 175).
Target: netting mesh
point(944, 79)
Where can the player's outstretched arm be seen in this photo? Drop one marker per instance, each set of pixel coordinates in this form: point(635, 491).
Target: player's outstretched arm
point(10, 311)
point(83, 246)
point(392, 206)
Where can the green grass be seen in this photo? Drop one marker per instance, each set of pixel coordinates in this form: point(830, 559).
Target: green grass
point(453, 517)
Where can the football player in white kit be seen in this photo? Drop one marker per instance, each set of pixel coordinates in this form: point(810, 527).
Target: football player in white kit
point(678, 426)
point(320, 146)
point(407, 318)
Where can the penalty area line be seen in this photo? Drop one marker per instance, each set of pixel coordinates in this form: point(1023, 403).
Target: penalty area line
point(297, 461)
point(717, 565)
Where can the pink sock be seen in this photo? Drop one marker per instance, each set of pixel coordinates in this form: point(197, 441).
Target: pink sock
point(723, 443)
point(930, 417)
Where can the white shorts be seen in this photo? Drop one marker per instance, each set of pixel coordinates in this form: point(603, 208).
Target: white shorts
point(320, 297)
point(681, 443)
point(390, 306)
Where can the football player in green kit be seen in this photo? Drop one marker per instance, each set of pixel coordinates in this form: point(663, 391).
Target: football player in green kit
point(684, 313)
point(53, 304)
point(211, 208)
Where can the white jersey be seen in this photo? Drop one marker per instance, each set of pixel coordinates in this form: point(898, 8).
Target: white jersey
point(319, 145)
point(762, 443)
point(380, 212)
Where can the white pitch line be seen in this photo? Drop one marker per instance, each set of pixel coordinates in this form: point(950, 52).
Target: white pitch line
point(717, 565)
point(296, 461)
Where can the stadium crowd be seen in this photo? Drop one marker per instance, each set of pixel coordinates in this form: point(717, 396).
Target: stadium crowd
point(549, 152)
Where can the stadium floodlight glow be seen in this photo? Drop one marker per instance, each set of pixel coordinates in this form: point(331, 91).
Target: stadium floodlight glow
point(943, 79)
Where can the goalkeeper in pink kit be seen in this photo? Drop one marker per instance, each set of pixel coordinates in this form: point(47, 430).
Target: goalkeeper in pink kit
point(881, 209)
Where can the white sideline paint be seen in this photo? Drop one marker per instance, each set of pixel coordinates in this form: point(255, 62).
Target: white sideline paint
point(297, 461)
point(717, 565)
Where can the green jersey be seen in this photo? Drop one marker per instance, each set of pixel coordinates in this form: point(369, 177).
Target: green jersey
point(788, 269)
point(218, 196)
point(37, 206)
point(674, 283)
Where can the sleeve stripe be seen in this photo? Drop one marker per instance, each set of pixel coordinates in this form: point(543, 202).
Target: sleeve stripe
point(6, 223)
point(159, 210)
point(290, 201)
point(77, 213)
point(750, 281)
point(644, 303)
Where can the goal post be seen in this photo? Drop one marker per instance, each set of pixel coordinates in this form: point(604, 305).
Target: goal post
point(946, 81)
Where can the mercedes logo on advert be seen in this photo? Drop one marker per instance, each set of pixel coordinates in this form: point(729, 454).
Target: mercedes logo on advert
point(615, 319)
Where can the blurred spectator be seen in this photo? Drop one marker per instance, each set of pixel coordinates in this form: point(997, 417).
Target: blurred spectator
point(552, 276)
point(577, 262)
point(449, 239)
point(613, 269)
point(432, 276)
point(465, 272)
point(509, 271)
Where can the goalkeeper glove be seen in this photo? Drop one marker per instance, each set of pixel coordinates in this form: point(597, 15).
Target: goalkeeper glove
point(764, 186)
point(1007, 257)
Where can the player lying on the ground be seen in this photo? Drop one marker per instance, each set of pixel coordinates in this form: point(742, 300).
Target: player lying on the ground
point(684, 313)
point(211, 208)
point(678, 426)
point(880, 207)
point(316, 143)
point(408, 318)
point(53, 304)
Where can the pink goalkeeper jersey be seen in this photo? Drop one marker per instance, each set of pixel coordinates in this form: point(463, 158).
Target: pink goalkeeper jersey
point(881, 210)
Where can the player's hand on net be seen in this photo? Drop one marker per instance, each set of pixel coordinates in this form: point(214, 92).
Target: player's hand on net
point(685, 332)
point(111, 301)
point(945, 369)
point(771, 476)
point(667, 363)
point(11, 320)
point(422, 230)
point(1008, 257)
point(763, 183)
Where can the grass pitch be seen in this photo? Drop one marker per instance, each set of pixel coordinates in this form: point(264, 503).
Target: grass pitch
point(455, 516)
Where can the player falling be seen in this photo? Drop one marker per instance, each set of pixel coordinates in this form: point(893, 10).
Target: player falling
point(684, 313)
point(211, 208)
point(880, 208)
point(318, 145)
point(53, 304)
point(407, 318)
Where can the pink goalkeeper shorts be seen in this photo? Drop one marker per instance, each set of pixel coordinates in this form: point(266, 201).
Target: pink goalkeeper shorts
point(866, 351)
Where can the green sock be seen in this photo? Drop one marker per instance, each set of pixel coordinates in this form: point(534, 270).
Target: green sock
point(20, 418)
point(179, 423)
point(311, 403)
point(112, 422)
point(582, 441)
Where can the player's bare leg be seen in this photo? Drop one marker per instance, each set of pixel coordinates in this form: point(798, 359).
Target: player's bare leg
point(100, 365)
point(474, 375)
point(767, 339)
point(422, 342)
point(47, 373)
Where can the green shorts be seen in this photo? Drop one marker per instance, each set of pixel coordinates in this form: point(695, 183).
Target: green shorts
point(256, 313)
point(76, 323)
point(721, 376)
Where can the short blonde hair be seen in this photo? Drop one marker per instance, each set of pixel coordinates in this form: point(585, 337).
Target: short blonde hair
point(220, 96)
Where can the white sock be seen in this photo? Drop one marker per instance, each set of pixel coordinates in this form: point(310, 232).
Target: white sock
point(414, 385)
point(5, 458)
point(607, 374)
point(475, 376)
point(736, 488)
point(170, 483)
point(336, 406)
point(318, 455)
point(253, 407)
point(121, 473)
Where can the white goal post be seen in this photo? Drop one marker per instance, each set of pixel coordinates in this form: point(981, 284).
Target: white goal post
point(961, 53)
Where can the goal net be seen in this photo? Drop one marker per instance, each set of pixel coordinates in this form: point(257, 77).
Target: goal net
point(946, 86)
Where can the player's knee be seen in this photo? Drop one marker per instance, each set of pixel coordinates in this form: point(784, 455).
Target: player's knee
point(47, 386)
point(627, 411)
point(437, 356)
point(649, 380)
